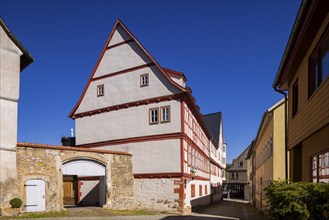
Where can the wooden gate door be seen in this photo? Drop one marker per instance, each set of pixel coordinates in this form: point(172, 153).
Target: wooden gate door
point(70, 188)
point(35, 195)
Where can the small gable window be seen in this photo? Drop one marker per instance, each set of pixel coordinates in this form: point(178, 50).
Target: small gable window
point(165, 114)
point(240, 163)
point(154, 116)
point(144, 80)
point(100, 90)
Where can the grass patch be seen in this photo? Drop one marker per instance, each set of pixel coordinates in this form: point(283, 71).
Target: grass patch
point(130, 212)
point(81, 212)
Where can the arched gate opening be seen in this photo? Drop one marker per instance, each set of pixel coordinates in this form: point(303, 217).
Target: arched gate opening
point(84, 183)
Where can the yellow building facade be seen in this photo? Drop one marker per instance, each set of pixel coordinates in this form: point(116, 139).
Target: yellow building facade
point(268, 152)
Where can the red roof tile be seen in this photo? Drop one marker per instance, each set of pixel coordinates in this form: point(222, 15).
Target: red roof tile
point(55, 147)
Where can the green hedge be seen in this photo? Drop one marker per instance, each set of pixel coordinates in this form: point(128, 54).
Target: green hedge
point(298, 200)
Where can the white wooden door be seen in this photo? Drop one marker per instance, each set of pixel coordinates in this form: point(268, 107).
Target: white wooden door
point(35, 196)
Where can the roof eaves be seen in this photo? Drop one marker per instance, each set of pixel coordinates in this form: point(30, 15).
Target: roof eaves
point(27, 58)
point(291, 42)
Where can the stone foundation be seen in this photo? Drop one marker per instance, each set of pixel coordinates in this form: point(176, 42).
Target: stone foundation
point(157, 194)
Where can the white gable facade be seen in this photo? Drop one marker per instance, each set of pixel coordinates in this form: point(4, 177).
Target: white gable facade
point(132, 104)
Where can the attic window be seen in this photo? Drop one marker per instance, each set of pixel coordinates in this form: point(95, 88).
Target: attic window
point(240, 163)
point(100, 90)
point(144, 80)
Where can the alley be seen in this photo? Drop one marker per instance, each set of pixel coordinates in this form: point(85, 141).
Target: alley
point(225, 210)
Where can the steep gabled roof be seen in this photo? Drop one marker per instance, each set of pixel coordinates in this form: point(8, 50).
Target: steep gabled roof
point(213, 122)
point(26, 58)
point(236, 160)
point(119, 23)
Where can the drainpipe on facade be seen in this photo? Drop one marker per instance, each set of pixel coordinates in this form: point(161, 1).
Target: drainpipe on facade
point(285, 130)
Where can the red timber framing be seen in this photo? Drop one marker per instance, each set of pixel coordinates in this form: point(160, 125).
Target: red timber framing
point(130, 104)
point(181, 190)
point(106, 48)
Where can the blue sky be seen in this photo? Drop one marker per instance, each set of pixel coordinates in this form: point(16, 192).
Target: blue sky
point(229, 51)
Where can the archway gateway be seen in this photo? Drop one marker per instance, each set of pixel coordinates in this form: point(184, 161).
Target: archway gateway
point(84, 183)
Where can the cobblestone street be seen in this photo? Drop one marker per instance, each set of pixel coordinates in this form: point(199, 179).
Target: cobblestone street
point(229, 210)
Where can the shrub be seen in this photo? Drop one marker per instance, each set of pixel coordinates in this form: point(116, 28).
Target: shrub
point(298, 200)
point(16, 203)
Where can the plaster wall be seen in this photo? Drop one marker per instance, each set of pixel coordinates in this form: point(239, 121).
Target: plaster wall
point(119, 36)
point(147, 155)
point(9, 94)
point(125, 88)
point(89, 190)
point(123, 57)
point(156, 194)
point(125, 123)
point(198, 200)
point(8, 124)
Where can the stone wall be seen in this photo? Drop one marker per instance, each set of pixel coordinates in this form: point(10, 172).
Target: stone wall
point(156, 194)
point(122, 190)
point(46, 163)
point(41, 164)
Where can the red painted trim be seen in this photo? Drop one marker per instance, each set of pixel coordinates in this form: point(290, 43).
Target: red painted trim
point(181, 140)
point(129, 104)
point(123, 71)
point(153, 60)
point(167, 175)
point(53, 147)
point(191, 103)
point(86, 178)
point(157, 137)
point(182, 155)
point(118, 22)
point(174, 72)
point(119, 44)
point(217, 164)
point(157, 175)
point(95, 68)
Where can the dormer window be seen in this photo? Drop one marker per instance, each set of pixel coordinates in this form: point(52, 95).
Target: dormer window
point(100, 90)
point(144, 80)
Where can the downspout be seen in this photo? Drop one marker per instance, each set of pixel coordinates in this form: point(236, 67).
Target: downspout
point(285, 130)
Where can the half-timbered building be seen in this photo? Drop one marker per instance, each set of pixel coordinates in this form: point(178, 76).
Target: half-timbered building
point(131, 103)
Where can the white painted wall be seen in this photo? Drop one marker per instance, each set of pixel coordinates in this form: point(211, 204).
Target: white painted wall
point(89, 193)
point(157, 194)
point(9, 94)
point(119, 36)
point(153, 156)
point(8, 124)
point(126, 88)
point(197, 200)
point(125, 123)
point(83, 168)
point(120, 58)
point(9, 90)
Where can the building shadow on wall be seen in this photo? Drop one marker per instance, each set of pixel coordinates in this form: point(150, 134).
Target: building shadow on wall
point(92, 198)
